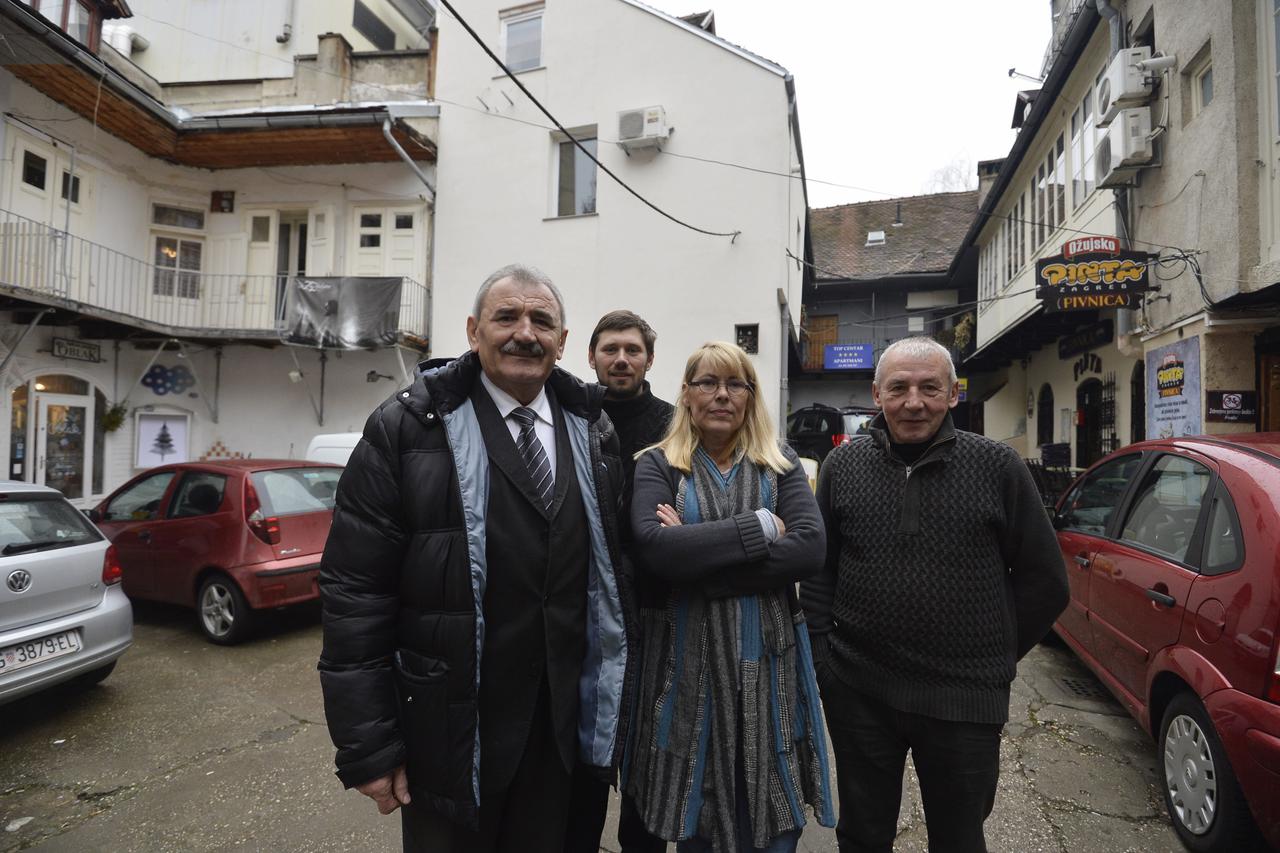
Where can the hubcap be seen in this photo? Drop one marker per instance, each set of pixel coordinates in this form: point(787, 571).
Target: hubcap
point(217, 611)
point(1190, 776)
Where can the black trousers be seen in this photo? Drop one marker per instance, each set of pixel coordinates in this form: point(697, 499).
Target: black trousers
point(587, 814)
point(958, 765)
point(529, 816)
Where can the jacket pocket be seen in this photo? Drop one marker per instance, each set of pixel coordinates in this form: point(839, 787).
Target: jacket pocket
point(421, 684)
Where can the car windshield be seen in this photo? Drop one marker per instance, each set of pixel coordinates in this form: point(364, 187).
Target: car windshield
point(292, 491)
point(41, 522)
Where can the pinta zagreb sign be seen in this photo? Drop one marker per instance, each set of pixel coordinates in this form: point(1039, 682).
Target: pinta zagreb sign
point(1091, 273)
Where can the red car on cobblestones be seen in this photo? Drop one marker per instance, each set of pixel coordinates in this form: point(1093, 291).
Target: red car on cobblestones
point(230, 537)
point(1172, 548)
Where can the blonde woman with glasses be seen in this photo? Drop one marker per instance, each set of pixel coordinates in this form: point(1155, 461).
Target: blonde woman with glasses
point(728, 745)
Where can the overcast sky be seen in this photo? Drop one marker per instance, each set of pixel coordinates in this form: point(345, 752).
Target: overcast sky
point(891, 92)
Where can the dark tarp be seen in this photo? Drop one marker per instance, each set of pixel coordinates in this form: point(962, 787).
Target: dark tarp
point(342, 312)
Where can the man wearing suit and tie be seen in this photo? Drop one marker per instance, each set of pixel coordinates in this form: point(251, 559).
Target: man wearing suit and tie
point(475, 627)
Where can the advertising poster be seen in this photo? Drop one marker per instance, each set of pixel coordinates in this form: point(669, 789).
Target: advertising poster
point(162, 439)
point(1173, 390)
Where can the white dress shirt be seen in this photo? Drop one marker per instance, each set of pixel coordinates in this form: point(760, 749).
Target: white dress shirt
point(544, 425)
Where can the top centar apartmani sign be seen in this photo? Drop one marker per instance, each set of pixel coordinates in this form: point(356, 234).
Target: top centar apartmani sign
point(1092, 272)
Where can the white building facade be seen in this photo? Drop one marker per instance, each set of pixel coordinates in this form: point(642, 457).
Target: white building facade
point(513, 189)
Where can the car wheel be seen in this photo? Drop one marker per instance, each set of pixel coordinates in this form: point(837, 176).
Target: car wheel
point(224, 614)
point(1204, 801)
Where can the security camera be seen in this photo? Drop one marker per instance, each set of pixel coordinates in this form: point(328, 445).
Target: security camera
point(1158, 63)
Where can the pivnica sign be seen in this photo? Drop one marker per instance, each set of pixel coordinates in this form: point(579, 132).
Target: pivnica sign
point(76, 350)
point(1092, 273)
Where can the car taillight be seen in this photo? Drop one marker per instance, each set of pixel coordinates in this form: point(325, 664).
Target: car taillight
point(839, 439)
point(111, 572)
point(266, 529)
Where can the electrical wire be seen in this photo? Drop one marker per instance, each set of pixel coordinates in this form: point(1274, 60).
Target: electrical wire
point(732, 235)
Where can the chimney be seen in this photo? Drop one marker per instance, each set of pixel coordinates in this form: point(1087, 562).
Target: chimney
point(988, 171)
point(333, 70)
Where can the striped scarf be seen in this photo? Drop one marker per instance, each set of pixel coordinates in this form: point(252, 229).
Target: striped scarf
point(727, 681)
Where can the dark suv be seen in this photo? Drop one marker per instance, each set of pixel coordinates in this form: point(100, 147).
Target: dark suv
point(815, 430)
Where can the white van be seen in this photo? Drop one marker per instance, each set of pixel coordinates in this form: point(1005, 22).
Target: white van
point(334, 448)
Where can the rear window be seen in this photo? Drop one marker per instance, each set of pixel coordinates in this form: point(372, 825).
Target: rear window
point(41, 523)
point(854, 423)
point(292, 491)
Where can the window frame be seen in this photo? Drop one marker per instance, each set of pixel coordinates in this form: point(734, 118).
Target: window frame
point(1221, 492)
point(1198, 74)
point(1195, 545)
point(558, 141)
point(1121, 508)
point(519, 15)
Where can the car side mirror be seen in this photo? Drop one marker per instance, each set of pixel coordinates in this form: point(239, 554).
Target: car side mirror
point(93, 514)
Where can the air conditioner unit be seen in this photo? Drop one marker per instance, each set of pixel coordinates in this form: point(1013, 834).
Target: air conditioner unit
point(1124, 84)
point(1124, 148)
point(642, 128)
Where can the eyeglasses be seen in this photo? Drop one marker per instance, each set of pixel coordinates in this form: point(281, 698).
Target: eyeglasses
point(732, 387)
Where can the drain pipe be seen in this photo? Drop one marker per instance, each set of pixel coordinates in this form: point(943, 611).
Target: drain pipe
point(284, 37)
point(408, 161)
point(1116, 20)
point(13, 350)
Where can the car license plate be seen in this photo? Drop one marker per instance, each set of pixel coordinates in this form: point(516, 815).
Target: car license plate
point(17, 656)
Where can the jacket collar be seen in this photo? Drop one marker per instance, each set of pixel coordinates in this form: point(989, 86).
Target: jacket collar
point(444, 384)
point(940, 445)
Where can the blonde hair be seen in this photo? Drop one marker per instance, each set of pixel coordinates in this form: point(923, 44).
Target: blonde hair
point(757, 438)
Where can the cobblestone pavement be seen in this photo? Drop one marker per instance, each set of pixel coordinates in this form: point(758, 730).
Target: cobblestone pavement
point(193, 747)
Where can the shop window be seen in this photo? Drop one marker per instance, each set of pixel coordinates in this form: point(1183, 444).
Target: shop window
point(18, 434)
point(99, 440)
point(60, 383)
point(1044, 415)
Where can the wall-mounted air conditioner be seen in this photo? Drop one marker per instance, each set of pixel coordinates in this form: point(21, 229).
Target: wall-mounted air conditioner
point(642, 128)
point(1124, 85)
point(1124, 148)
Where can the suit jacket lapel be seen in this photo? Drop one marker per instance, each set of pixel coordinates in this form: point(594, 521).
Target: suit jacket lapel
point(502, 449)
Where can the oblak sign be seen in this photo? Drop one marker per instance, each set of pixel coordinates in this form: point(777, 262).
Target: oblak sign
point(1091, 273)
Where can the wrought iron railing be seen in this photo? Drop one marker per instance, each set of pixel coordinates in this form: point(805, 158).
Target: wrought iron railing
point(61, 269)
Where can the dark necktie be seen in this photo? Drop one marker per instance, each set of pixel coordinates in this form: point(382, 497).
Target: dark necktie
point(534, 455)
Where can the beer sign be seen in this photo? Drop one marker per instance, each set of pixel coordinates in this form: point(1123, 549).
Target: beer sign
point(1092, 272)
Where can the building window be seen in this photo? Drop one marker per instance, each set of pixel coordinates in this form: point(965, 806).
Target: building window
point(1038, 192)
point(748, 337)
point(1202, 87)
point(575, 177)
point(70, 187)
point(1060, 181)
point(372, 27)
point(79, 23)
point(178, 263)
point(177, 217)
point(875, 238)
point(34, 169)
point(521, 37)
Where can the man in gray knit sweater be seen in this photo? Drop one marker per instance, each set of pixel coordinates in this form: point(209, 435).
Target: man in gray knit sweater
point(942, 571)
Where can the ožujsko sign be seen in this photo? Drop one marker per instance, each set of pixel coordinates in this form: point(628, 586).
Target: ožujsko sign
point(1091, 273)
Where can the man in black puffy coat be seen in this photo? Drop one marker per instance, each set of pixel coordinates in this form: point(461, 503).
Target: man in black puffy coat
point(477, 613)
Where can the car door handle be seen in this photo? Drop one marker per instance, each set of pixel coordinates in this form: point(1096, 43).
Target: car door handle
point(145, 535)
point(1082, 561)
point(1161, 597)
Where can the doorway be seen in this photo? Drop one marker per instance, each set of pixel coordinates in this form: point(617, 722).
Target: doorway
point(1088, 423)
point(291, 253)
point(56, 437)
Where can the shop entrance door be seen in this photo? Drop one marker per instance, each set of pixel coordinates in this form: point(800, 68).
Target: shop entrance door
point(64, 443)
point(1088, 423)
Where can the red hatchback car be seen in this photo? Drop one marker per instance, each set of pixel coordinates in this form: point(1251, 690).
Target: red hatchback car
point(229, 537)
point(1172, 549)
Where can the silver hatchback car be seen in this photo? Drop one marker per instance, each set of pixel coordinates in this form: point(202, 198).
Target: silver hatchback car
point(63, 615)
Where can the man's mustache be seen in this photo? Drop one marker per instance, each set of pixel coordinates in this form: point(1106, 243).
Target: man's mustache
point(534, 350)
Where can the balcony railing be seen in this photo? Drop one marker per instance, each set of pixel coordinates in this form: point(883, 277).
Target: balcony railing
point(53, 267)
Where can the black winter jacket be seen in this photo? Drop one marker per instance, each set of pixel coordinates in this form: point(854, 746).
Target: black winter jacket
point(402, 581)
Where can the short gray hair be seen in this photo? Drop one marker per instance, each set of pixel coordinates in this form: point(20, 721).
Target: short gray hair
point(524, 274)
point(917, 348)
